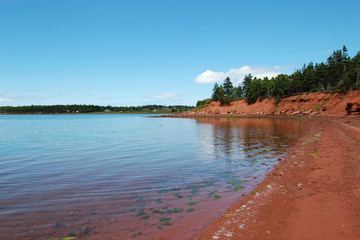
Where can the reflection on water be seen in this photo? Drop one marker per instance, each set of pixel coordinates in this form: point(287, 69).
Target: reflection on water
point(246, 136)
point(124, 177)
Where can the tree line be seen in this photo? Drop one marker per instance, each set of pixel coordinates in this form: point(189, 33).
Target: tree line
point(52, 109)
point(340, 73)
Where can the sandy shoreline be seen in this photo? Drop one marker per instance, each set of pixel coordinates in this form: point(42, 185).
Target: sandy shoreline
point(313, 194)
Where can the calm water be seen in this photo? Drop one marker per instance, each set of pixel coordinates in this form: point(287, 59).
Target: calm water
point(129, 176)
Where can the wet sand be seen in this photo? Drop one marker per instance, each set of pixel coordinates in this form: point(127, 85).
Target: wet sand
point(313, 194)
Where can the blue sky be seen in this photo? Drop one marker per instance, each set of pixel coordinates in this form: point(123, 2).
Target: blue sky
point(132, 52)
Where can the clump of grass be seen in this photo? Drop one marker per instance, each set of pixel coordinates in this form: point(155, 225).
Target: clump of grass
point(317, 108)
point(314, 154)
point(167, 223)
point(311, 139)
point(192, 202)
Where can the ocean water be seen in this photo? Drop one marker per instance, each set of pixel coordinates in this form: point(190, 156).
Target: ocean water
point(130, 176)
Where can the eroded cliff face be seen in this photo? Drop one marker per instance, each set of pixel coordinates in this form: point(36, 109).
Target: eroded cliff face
point(308, 103)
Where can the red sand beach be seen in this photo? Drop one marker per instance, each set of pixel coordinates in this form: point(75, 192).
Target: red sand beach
point(313, 194)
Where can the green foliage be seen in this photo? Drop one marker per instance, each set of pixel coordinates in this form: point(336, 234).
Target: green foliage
point(202, 103)
point(339, 74)
point(53, 109)
point(226, 92)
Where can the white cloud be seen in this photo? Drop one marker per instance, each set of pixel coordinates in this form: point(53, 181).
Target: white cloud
point(165, 95)
point(238, 74)
point(210, 77)
point(5, 99)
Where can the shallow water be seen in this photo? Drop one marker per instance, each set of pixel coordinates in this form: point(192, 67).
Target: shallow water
point(129, 176)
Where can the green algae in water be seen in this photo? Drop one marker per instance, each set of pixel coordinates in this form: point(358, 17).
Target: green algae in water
point(58, 224)
point(192, 202)
point(211, 193)
point(141, 212)
point(191, 210)
point(163, 219)
point(85, 230)
point(237, 188)
point(217, 197)
point(163, 191)
point(158, 211)
point(176, 210)
point(232, 182)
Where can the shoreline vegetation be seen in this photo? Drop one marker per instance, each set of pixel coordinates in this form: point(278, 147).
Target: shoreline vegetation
point(340, 74)
point(314, 193)
point(331, 88)
point(94, 109)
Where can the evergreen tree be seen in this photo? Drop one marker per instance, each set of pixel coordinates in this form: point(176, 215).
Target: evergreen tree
point(228, 87)
point(254, 91)
point(238, 92)
point(246, 83)
point(339, 73)
point(215, 96)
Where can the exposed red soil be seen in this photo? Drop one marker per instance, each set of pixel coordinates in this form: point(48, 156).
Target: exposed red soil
point(308, 103)
point(313, 194)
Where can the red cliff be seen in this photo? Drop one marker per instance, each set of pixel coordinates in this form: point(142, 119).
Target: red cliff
point(308, 103)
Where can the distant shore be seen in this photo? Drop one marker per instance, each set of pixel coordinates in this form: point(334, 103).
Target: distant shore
point(313, 194)
point(104, 113)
